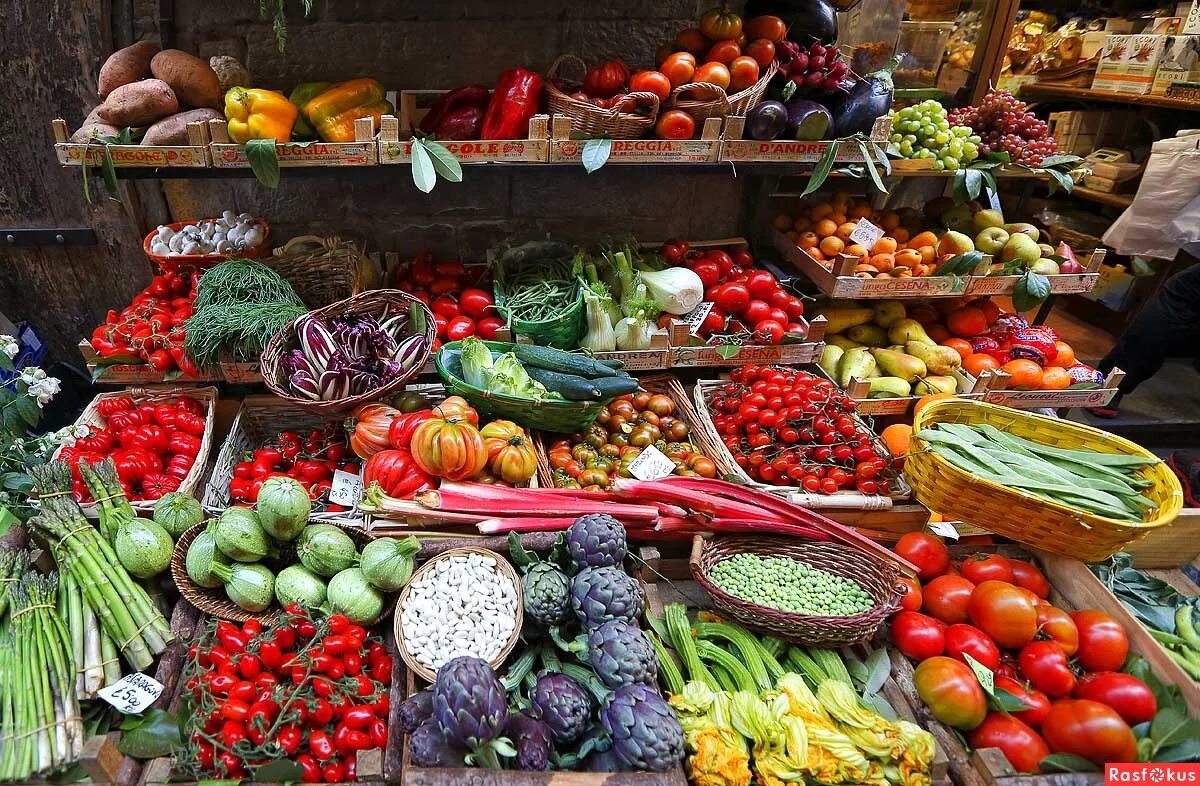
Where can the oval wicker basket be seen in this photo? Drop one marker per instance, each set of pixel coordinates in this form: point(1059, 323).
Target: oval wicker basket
point(216, 603)
point(504, 566)
point(589, 119)
point(205, 261)
point(719, 103)
point(376, 302)
point(879, 579)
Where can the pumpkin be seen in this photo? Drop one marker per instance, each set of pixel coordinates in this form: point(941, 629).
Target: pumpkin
point(397, 474)
point(368, 425)
point(510, 455)
point(457, 406)
point(403, 425)
point(449, 447)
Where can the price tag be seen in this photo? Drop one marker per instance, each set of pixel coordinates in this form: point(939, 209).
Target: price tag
point(944, 528)
point(987, 680)
point(133, 693)
point(866, 234)
point(651, 464)
point(347, 489)
point(695, 318)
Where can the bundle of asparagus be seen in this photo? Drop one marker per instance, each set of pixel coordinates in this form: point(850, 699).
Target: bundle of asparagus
point(13, 563)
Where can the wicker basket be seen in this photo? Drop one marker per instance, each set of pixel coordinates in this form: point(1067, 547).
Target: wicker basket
point(322, 270)
point(376, 302)
point(708, 100)
point(590, 120)
point(879, 579)
point(503, 565)
point(216, 603)
point(563, 331)
point(563, 417)
point(207, 398)
point(204, 261)
point(1035, 521)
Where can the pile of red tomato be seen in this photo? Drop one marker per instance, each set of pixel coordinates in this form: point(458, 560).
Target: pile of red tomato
point(749, 305)
point(310, 458)
point(153, 446)
point(461, 304)
point(1064, 668)
point(151, 328)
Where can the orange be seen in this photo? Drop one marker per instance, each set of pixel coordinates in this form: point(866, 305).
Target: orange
point(855, 250)
point(908, 257)
point(825, 228)
point(838, 218)
point(1065, 357)
point(885, 245)
point(959, 345)
point(844, 230)
point(938, 332)
point(901, 235)
point(925, 401)
point(831, 245)
point(1026, 375)
point(928, 254)
point(977, 363)
point(840, 199)
point(990, 310)
point(861, 210)
point(802, 225)
point(821, 210)
point(925, 238)
point(808, 240)
point(883, 262)
point(1055, 378)
point(889, 220)
point(897, 437)
point(966, 322)
point(782, 222)
point(816, 254)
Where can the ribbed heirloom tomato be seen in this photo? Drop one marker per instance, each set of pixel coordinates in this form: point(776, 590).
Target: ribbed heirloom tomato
point(368, 426)
point(449, 447)
point(397, 474)
point(1022, 746)
point(1004, 612)
point(951, 691)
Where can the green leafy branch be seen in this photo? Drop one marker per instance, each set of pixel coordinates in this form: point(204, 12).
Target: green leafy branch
point(595, 153)
point(430, 160)
point(874, 159)
point(108, 170)
point(276, 11)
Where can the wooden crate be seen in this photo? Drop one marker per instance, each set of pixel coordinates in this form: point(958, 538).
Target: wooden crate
point(104, 372)
point(1168, 547)
point(968, 387)
point(1064, 283)
point(838, 280)
point(363, 151)
point(190, 156)
point(705, 150)
point(739, 150)
point(395, 147)
point(996, 381)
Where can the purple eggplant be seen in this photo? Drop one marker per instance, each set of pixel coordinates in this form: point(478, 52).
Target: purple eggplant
point(807, 120)
point(766, 120)
point(856, 111)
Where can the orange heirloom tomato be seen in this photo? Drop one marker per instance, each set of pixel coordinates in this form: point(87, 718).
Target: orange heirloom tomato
point(743, 72)
point(457, 405)
point(1057, 625)
point(720, 24)
point(449, 447)
point(368, 425)
point(510, 455)
point(713, 73)
point(675, 124)
point(651, 82)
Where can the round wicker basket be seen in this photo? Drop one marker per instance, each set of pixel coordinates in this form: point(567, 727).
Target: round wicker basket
point(503, 565)
point(878, 578)
point(707, 100)
point(589, 119)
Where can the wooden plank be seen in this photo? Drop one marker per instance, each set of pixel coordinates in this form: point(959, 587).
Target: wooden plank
point(1051, 91)
point(1176, 544)
point(740, 150)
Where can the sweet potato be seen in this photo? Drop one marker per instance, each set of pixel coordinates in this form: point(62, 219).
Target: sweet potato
point(92, 127)
point(192, 79)
point(139, 104)
point(126, 65)
point(172, 130)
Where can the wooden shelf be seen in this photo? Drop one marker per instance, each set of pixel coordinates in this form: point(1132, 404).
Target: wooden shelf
point(1036, 90)
point(1103, 197)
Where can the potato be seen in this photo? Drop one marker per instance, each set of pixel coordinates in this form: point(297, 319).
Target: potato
point(192, 79)
point(126, 65)
point(139, 104)
point(89, 131)
point(172, 130)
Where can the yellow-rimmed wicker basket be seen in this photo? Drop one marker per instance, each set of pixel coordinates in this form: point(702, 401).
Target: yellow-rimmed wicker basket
point(879, 579)
point(503, 565)
point(591, 120)
point(1035, 521)
point(708, 100)
point(216, 603)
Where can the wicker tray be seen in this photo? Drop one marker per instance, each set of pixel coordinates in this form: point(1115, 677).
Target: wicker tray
point(592, 121)
point(206, 396)
point(504, 567)
point(205, 261)
point(878, 578)
point(1035, 521)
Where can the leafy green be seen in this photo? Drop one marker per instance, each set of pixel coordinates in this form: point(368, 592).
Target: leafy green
point(264, 161)
point(150, 735)
point(276, 10)
point(1067, 762)
point(1030, 291)
point(240, 304)
point(595, 153)
point(821, 171)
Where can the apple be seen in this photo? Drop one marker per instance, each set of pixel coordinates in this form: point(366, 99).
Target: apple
point(1047, 267)
point(1070, 266)
point(954, 243)
point(991, 239)
point(1022, 247)
point(985, 219)
point(1024, 229)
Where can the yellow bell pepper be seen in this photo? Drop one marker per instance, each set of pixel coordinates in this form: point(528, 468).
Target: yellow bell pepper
point(259, 114)
point(333, 112)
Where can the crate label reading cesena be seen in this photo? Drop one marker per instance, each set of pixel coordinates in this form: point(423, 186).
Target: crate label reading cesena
point(133, 693)
point(651, 464)
point(347, 489)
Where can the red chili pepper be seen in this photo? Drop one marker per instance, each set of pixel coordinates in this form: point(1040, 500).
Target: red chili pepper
point(310, 768)
point(320, 745)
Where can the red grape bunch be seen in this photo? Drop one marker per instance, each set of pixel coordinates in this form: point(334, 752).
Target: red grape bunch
point(814, 68)
point(1006, 124)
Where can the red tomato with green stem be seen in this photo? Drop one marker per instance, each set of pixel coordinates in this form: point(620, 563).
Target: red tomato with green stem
point(1045, 665)
point(1037, 704)
point(1057, 626)
point(986, 567)
point(1103, 645)
point(951, 691)
point(946, 598)
point(926, 551)
point(1089, 729)
point(1132, 699)
point(918, 636)
point(1004, 612)
point(1028, 576)
point(1022, 746)
point(968, 640)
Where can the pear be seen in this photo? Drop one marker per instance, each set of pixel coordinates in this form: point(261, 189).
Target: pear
point(842, 341)
point(1021, 247)
point(907, 330)
point(938, 360)
point(889, 387)
point(899, 364)
point(855, 363)
point(829, 359)
point(839, 319)
point(935, 384)
point(868, 335)
point(889, 312)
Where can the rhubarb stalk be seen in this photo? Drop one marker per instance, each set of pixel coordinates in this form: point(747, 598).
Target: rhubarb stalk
point(501, 526)
point(487, 499)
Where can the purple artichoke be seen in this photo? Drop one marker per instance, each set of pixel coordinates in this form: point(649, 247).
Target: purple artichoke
point(645, 732)
point(428, 747)
point(602, 594)
point(547, 594)
point(532, 739)
point(415, 710)
point(597, 541)
point(621, 654)
point(564, 705)
point(470, 705)
point(603, 761)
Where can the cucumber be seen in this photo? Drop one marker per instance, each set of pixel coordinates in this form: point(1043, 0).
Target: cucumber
point(570, 386)
point(562, 362)
point(611, 387)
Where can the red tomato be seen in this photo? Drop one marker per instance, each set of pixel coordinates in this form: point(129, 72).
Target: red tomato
point(1057, 625)
point(1038, 703)
point(1130, 697)
point(968, 640)
point(951, 691)
point(1028, 576)
point(743, 72)
point(679, 68)
point(708, 272)
point(486, 328)
point(1089, 729)
point(926, 551)
point(459, 328)
point(1046, 668)
point(675, 124)
point(732, 298)
point(1103, 644)
point(446, 306)
point(986, 567)
point(651, 82)
point(1003, 612)
point(772, 28)
point(762, 284)
point(769, 331)
point(1021, 745)
point(756, 311)
point(946, 598)
point(762, 50)
point(714, 74)
point(606, 79)
point(918, 636)
point(911, 599)
point(723, 52)
point(475, 302)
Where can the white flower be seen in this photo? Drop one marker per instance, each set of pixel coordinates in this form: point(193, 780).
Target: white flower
point(9, 346)
point(44, 389)
point(32, 375)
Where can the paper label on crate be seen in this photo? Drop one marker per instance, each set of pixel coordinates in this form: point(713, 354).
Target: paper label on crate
point(987, 680)
point(651, 464)
point(133, 693)
point(866, 234)
point(695, 318)
point(347, 489)
point(943, 528)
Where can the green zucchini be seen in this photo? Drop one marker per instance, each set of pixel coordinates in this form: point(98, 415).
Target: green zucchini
point(570, 386)
point(614, 363)
point(562, 362)
point(611, 387)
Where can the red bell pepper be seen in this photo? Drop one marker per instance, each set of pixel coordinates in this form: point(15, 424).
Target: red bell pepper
point(468, 95)
point(514, 101)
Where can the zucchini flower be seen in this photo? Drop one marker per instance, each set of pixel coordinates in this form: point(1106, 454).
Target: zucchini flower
point(720, 755)
point(872, 733)
point(917, 758)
